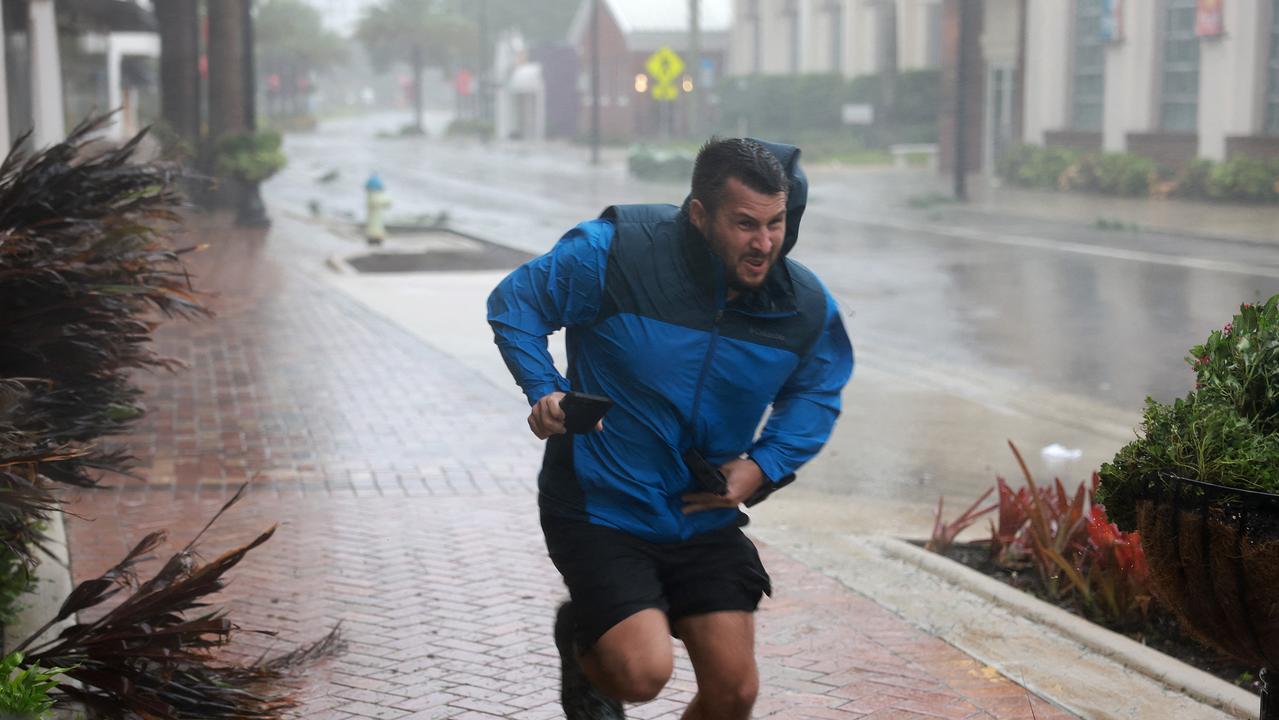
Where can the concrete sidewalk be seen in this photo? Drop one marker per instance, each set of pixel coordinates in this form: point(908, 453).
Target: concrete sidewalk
point(1173, 216)
point(403, 482)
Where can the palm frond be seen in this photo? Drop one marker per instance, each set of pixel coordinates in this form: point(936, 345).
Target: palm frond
point(152, 653)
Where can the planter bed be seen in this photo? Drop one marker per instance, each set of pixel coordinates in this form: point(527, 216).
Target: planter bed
point(1159, 633)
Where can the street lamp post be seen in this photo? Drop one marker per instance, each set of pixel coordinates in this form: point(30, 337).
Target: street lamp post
point(595, 82)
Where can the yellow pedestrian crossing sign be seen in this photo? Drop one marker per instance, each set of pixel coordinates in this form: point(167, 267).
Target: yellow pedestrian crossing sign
point(664, 66)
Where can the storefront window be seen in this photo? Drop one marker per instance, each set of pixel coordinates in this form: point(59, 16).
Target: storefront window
point(1089, 87)
point(1179, 101)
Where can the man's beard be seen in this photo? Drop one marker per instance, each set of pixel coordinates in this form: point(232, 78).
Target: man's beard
point(732, 265)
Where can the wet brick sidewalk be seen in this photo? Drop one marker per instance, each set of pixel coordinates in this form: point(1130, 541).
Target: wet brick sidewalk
point(403, 486)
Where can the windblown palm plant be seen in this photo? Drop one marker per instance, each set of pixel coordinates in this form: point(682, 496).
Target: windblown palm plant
point(86, 272)
point(149, 656)
point(84, 267)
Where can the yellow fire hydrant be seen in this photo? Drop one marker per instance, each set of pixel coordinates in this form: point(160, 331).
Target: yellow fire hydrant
point(376, 204)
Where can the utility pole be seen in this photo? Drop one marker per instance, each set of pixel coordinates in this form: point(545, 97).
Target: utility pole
point(486, 83)
point(595, 82)
point(961, 103)
point(695, 69)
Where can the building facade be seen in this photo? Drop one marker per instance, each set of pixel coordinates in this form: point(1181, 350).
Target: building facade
point(31, 70)
point(1173, 80)
point(846, 37)
point(65, 60)
point(629, 33)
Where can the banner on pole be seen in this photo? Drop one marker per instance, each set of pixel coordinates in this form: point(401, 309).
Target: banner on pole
point(1112, 21)
point(1208, 18)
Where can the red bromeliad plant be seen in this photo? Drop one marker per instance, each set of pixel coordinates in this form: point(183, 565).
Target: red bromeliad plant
point(1118, 579)
point(1077, 554)
point(944, 533)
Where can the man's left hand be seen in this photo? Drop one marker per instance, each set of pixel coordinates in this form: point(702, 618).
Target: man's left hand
point(744, 478)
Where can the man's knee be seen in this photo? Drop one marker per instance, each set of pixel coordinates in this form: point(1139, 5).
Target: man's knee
point(730, 697)
point(642, 679)
point(633, 660)
point(632, 676)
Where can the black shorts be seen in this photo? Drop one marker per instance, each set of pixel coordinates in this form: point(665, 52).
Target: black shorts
point(612, 575)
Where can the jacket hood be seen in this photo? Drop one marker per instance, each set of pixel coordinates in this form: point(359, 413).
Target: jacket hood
point(796, 196)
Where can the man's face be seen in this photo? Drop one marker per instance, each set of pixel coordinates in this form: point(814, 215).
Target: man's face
point(746, 232)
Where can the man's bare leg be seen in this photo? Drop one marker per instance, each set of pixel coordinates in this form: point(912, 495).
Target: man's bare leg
point(722, 648)
point(633, 660)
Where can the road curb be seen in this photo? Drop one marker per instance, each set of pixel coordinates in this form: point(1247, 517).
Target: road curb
point(1173, 673)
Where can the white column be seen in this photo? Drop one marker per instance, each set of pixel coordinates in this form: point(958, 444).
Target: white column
point(739, 57)
point(1231, 78)
point(115, 89)
point(46, 75)
point(1133, 75)
point(862, 52)
point(5, 140)
point(907, 49)
point(1048, 69)
point(804, 16)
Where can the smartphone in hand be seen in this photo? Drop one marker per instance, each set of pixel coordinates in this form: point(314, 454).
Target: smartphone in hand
point(582, 411)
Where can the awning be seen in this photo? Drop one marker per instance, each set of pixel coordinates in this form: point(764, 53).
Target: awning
point(105, 16)
point(526, 78)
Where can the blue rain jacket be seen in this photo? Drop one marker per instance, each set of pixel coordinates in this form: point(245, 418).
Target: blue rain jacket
point(642, 297)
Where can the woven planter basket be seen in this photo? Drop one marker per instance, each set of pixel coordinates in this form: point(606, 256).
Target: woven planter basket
point(1214, 562)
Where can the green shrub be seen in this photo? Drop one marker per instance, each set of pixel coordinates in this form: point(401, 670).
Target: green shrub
point(918, 96)
point(786, 107)
point(24, 692)
point(252, 157)
point(470, 127)
point(1192, 180)
point(1111, 173)
point(1126, 174)
point(1244, 178)
point(1224, 432)
point(647, 163)
point(1035, 166)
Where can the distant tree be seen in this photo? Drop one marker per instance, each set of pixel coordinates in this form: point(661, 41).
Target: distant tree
point(422, 33)
point(292, 46)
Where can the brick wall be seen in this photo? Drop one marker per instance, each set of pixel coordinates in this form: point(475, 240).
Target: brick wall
point(1073, 140)
point(1258, 146)
point(1170, 150)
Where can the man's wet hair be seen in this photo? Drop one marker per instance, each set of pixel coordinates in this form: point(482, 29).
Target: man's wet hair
point(748, 161)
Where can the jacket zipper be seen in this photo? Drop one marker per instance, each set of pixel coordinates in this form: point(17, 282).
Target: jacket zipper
point(710, 353)
point(706, 366)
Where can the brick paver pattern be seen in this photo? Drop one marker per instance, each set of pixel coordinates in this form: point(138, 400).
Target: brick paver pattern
point(404, 489)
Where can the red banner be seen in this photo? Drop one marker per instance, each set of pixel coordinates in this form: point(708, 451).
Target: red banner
point(1208, 18)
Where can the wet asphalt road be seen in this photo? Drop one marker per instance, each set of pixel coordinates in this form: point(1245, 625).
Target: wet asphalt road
point(970, 329)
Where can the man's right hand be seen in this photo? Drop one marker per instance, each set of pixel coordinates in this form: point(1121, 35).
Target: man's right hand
point(546, 418)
